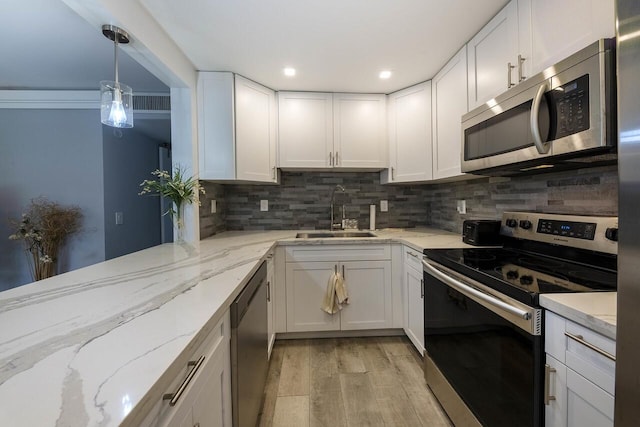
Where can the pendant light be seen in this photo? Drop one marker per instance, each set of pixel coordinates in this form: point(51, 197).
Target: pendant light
point(116, 99)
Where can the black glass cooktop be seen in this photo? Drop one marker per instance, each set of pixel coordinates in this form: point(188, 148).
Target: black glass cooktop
point(524, 275)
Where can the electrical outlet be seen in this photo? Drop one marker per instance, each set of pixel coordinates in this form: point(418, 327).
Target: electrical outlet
point(119, 218)
point(384, 206)
point(213, 206)
point(461, 207)
point(264, 205)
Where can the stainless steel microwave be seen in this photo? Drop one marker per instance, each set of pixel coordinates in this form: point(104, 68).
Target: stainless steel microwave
point(561, 118)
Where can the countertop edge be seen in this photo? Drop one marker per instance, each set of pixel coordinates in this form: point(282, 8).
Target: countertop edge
point(572, 312)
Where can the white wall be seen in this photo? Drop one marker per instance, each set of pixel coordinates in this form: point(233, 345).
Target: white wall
point(57, 154)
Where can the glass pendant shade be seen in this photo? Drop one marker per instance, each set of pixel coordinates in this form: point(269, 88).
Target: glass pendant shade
point(116, 104)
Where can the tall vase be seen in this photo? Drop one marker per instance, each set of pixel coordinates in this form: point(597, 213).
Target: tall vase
point(179, 223)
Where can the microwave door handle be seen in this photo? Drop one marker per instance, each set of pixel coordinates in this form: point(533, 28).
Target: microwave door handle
point(542, 147)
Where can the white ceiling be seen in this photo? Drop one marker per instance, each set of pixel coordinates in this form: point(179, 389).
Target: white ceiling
point(45, 45)
point(335, 45)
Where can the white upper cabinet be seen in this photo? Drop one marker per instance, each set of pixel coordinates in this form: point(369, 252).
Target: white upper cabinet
point(560, 28)
point(236, 128)
point(305, 127)
point(528, 36)
point(409, 125)
point(324, 130)
point(448, 104)
point(359, 131)
point(493, 57)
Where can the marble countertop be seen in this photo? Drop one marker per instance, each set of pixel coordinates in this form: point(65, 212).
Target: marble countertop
point(594, 310)
point(93, 346)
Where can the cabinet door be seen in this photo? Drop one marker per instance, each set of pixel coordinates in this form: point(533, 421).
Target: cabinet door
point(369, 287)
point(271, 289)
point(489, 53)
point(306, 284)
point(216, 137)
point(558, 29)
point(212, 405)
point(410, 149)
point(555, 413)
point(305, 129)
point(414, 286)
point(255, 110)
point(587, 404)
point(359, 131)
point(449, 103)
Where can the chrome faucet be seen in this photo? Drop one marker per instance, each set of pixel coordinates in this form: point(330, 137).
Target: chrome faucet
point(333, 199)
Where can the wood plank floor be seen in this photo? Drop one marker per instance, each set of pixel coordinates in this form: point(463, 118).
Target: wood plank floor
point(352, 382)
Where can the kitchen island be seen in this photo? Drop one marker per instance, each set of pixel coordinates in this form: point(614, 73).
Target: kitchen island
point(100, 345)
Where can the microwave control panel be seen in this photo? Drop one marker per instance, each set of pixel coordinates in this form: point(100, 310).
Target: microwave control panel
point(571, 102)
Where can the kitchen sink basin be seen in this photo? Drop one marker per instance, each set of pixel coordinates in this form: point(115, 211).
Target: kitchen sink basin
point(339, 234)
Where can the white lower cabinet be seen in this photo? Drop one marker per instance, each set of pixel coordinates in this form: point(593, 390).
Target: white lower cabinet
point(367, 274)
point(579, 375)
point(271, 289)
point(413, 284)
point(202, 389)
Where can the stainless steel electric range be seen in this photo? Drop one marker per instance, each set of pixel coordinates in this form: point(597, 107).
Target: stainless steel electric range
point(484, 339)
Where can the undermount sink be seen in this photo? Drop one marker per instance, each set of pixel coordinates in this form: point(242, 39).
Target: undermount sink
point(325, 234)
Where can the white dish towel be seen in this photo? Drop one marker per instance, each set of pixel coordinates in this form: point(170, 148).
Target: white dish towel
point(336, 294)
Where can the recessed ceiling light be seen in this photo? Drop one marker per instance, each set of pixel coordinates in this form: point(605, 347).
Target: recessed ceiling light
point(385, 74)
point(289, 72)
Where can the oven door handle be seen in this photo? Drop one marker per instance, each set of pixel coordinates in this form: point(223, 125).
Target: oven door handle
point(464, 288)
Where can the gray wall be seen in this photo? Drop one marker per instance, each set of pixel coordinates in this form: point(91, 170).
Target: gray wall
point(57, 154)
point(129, 158)
point(302, 200)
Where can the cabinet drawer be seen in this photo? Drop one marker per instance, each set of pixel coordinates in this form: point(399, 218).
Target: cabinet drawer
point(587, 352)
point(412, 258)
point(591, 355)
point(338, 252)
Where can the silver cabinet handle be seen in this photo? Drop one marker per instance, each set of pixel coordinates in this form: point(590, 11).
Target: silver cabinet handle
point(343, 276)
point(331, 158)
point(337, 159)
point(509, 68)
point(521, 76)
point(174, 397)
point(548, 370)
point(393, 174)
point(268, 291)
point(422, 288)
point(580, 339)
point(466, 289)
point(335, 269)
point(542, 147)
point(412, 254)
point(273, 173)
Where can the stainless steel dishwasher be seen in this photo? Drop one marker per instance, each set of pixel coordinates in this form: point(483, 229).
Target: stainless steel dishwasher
point(249, 339)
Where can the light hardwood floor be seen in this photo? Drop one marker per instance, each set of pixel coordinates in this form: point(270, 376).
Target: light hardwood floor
point(348, 382)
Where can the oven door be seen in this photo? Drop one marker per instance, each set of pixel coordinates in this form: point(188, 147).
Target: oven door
point(484, 352)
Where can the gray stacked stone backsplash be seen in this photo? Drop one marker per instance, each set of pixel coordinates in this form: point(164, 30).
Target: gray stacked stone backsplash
point(302, 200)
point(591, 191)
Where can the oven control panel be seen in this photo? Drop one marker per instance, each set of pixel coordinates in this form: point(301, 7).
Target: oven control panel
point(578, 230)
point(596, 233)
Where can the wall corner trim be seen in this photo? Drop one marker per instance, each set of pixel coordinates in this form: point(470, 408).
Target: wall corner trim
point(50, 99)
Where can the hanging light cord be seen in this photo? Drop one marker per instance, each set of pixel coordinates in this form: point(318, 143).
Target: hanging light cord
point(115, 50)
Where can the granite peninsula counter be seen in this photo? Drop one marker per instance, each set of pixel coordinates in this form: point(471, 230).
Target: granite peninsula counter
point(95, 346)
